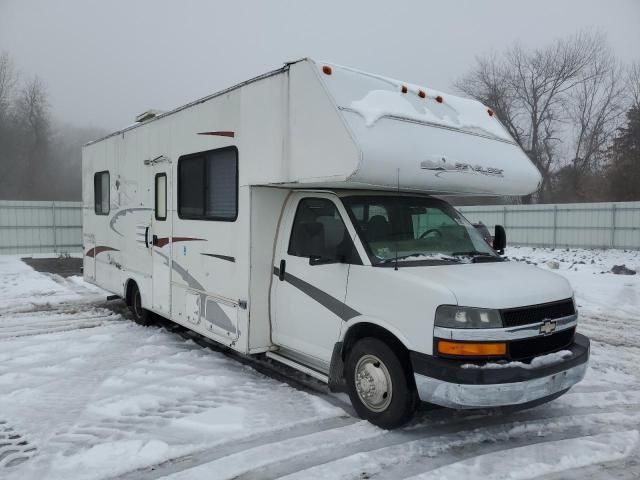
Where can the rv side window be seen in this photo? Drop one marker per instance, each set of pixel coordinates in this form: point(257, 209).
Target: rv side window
point(208, 185)
point(319, 232)
point(101, 193)
point(161, 196)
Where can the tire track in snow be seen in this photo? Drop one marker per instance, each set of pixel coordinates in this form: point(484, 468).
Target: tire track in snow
point(549, 456)
point(14, 448)
point(92, 300)
point(78, 324)
point(46, 329)
point(283, 457)
point(395, 441)
point(415, 457)
point(256, 440)
point(607, 330)
point(237, 464)
point(628, 469)
point(55, 318)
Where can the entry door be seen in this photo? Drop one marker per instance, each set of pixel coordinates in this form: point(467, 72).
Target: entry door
point(307, 299)
point(161, 240)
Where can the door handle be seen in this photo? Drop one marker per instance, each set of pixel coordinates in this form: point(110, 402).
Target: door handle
point(154, 240)
point(146, 237)
point(283, 266)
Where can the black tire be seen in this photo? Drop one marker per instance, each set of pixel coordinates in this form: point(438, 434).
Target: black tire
point(389, 413)
point(140, 315)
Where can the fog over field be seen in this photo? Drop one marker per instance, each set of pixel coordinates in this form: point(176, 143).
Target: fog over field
point(73, 71)
point(105, 62)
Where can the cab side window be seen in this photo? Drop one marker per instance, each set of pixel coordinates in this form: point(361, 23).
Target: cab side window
point(319, 232)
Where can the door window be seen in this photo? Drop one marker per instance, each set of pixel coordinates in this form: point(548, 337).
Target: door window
point(319, 232)
point(161, 196)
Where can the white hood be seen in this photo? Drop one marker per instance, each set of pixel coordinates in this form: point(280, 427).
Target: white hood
point(495, 285)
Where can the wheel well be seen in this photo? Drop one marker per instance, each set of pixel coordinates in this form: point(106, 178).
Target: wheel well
point(362, 330)
point(127, 291)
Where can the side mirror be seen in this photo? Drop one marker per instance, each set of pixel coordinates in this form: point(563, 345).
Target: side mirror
point(499, 239)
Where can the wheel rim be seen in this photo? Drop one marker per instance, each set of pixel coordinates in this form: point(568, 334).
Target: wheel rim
point(373, 383)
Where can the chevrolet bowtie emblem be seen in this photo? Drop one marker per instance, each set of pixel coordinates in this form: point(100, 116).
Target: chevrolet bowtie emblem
point(548, 327)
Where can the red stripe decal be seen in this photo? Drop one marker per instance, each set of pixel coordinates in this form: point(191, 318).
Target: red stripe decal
point(161, 242)
point(222, 133)
point(92, 252)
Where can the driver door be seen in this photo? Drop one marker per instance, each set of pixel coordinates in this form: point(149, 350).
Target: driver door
point(313, 255)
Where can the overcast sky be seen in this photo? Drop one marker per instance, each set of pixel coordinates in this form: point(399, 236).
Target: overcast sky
point(104, 61)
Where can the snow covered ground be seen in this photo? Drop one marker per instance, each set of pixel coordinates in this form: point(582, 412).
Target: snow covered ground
point(86, 393)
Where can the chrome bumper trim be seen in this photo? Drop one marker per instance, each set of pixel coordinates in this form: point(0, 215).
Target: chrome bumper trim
point(460, 396)
point(506, 334)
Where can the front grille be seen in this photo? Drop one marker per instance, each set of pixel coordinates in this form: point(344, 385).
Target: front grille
point(515, 317)
point(532, 347)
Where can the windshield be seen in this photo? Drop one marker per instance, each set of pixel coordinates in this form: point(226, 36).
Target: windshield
point(414, 229)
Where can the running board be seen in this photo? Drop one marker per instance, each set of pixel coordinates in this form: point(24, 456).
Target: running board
point(298, 366)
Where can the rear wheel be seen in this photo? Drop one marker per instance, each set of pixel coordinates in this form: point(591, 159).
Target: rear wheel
point(381, 390)
point(140, 315)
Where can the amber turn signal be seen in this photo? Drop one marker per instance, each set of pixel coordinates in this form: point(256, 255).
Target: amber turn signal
point(466, 349)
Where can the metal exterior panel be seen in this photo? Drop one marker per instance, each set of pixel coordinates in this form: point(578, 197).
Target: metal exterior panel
point(571, 225)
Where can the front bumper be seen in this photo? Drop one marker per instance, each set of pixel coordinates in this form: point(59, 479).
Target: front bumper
point(444, 382)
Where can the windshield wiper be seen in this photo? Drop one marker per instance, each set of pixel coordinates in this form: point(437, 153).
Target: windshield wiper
point(475, 256)
point(404, 257)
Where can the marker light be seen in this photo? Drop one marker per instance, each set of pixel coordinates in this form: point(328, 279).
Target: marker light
point(404, 89)
point(327, 70)
point(466, 349)
point(421, 94)
point(490, 112)
point(439, 99)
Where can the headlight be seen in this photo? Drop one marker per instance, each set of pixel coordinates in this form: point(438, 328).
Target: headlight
point(451, 316)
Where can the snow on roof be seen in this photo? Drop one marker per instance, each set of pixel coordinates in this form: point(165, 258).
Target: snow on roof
point(375, 97)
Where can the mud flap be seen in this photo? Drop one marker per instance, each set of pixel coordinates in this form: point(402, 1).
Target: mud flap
point(337, 382)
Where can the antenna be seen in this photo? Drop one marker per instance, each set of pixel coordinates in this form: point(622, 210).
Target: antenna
point(396, 242)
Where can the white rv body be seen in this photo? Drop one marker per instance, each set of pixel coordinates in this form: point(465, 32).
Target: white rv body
point(308, 130)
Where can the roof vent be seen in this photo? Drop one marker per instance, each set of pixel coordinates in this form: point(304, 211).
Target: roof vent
point(148, 115)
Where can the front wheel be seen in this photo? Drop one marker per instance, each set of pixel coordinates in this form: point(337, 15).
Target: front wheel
point(140, 315)
point(380, 388)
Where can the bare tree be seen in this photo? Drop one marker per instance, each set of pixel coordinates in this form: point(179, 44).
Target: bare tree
point(8, 78)
point(489, 84)
point(32, 114)
point(39, 159)
point(530, 90)
point(633, 84)
point(595, 107)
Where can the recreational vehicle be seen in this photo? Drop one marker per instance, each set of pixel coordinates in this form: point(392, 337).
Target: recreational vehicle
point(299, 216)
